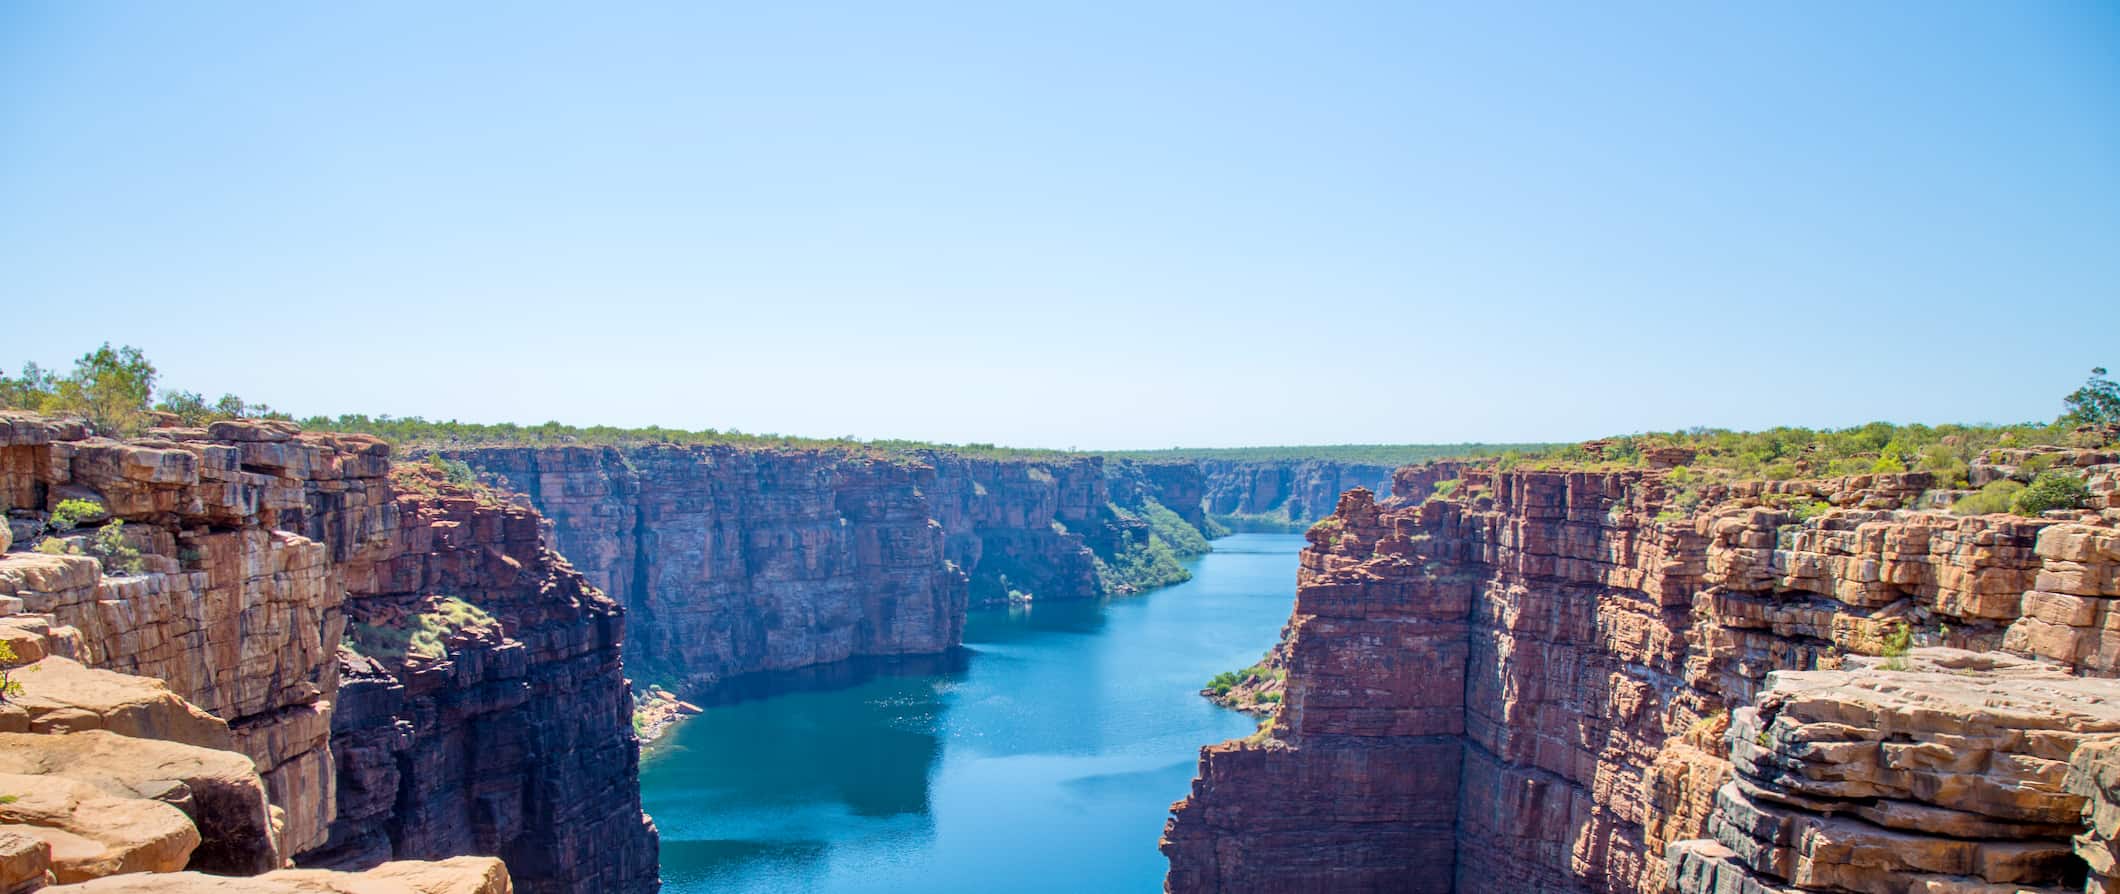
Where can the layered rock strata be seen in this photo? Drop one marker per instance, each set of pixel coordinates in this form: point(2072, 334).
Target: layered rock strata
point(734, 561)
point(1525, 685)
point(221, 562)
point(482, 707)
point(1283, 495)
point(113, 783)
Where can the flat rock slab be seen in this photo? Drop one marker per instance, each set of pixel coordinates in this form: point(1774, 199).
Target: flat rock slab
point(93, 834)
point(457, 875)
point(219, 790)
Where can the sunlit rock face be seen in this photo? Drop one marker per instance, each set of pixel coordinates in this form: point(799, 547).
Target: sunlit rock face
point(1528, 683)
point(247, 546)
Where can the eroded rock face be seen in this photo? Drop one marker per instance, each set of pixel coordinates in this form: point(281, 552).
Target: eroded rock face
point(1578, 643)
point(457, 875)
point(1295, 492)
point(1949, 774)
point(513, 738)
point(250, 536)
point(219, 791)
point(235, 601)
point(733, 561)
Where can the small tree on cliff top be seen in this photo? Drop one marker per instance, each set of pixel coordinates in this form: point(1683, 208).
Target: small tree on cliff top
point(2096, 403)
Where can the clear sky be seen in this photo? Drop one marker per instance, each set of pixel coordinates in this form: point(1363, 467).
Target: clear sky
point(1082, 224)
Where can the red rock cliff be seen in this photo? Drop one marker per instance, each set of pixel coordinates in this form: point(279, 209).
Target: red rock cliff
point(734, 560)
point(250, 536)
point(1526, 686)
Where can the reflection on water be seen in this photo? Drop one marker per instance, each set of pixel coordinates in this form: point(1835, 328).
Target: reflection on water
point(1040, 758)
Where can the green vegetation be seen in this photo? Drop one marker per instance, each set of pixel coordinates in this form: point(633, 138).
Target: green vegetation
point(422, 635)
point(1447, 487)
point(9, 686)
point(2051, 490)
point(1896, 645)
point(113, 389)
point(109, 546)
point(1995, 496)
point(1225, 681)
point(2096, 403)
point(1182, 538)
point(1137, 565)
point(1372, 454)
point(69, 514)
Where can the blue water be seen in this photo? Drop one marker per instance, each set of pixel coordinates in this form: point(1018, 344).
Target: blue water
point(1042, 758)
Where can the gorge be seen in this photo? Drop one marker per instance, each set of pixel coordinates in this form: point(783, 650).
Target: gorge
point(1581, 675)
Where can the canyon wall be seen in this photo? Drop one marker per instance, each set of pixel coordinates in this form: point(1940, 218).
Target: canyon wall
point(738, 560)
point(1282, 494)
point(1529, 684)
point(221, 562)
point(502, 728)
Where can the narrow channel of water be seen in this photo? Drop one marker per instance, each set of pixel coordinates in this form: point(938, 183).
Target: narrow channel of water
point(1045, 760)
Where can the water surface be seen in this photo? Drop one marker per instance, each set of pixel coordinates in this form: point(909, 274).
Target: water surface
point(1043, 758)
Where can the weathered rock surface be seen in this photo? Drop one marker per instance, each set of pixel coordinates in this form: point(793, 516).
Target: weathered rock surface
point(91, 833)
point(250, 537)
point(219, 791)
point(732, 561)
point(512, 741)
point(1949, 774)
point(1292, 492)
point(458, 875)
point(1577, 642)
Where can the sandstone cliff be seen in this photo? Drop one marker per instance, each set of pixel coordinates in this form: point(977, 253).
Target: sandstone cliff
point(733, 561)
point(1528, 684)
point(221, 563)
point(110, 782)
point(482, 706)
point(1282, 495)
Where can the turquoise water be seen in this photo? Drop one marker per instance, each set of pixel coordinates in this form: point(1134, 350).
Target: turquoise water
point(1042, 758)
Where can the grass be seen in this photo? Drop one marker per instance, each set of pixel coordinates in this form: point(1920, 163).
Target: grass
point(425, 634)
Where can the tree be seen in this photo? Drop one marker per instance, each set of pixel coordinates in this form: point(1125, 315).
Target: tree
point(32, 391)
point(2096, 403)
point(111, 388)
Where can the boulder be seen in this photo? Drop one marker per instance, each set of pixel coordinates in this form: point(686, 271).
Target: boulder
point(60, 695)
point(93, 834)
point(219, 790)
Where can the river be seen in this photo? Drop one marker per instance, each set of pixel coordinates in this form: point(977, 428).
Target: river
point(1042, 757)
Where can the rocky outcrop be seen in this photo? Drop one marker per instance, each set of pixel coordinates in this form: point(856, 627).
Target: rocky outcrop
point(1951, 772)
point(221, 564)
point(732, 561)
point(232, 600)
point(98, 796)
point(1283, 494)
point(1525, 683)
point(458, 875)
point(483, 708)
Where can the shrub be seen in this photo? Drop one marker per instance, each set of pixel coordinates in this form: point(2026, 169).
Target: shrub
point(1995, 497)
point(1448, 486)
point(110, 546)
point(456, 471)
point(1806, 511)
point(69, 514)
point(2051, 490)
point(1896, 645)
point(9, 686)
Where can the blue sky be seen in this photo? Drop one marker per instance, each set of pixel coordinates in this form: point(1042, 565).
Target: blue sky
point(1081, 224)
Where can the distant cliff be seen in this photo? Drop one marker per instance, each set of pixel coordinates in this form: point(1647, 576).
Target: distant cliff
point(1282, 495)
point(735, 560)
